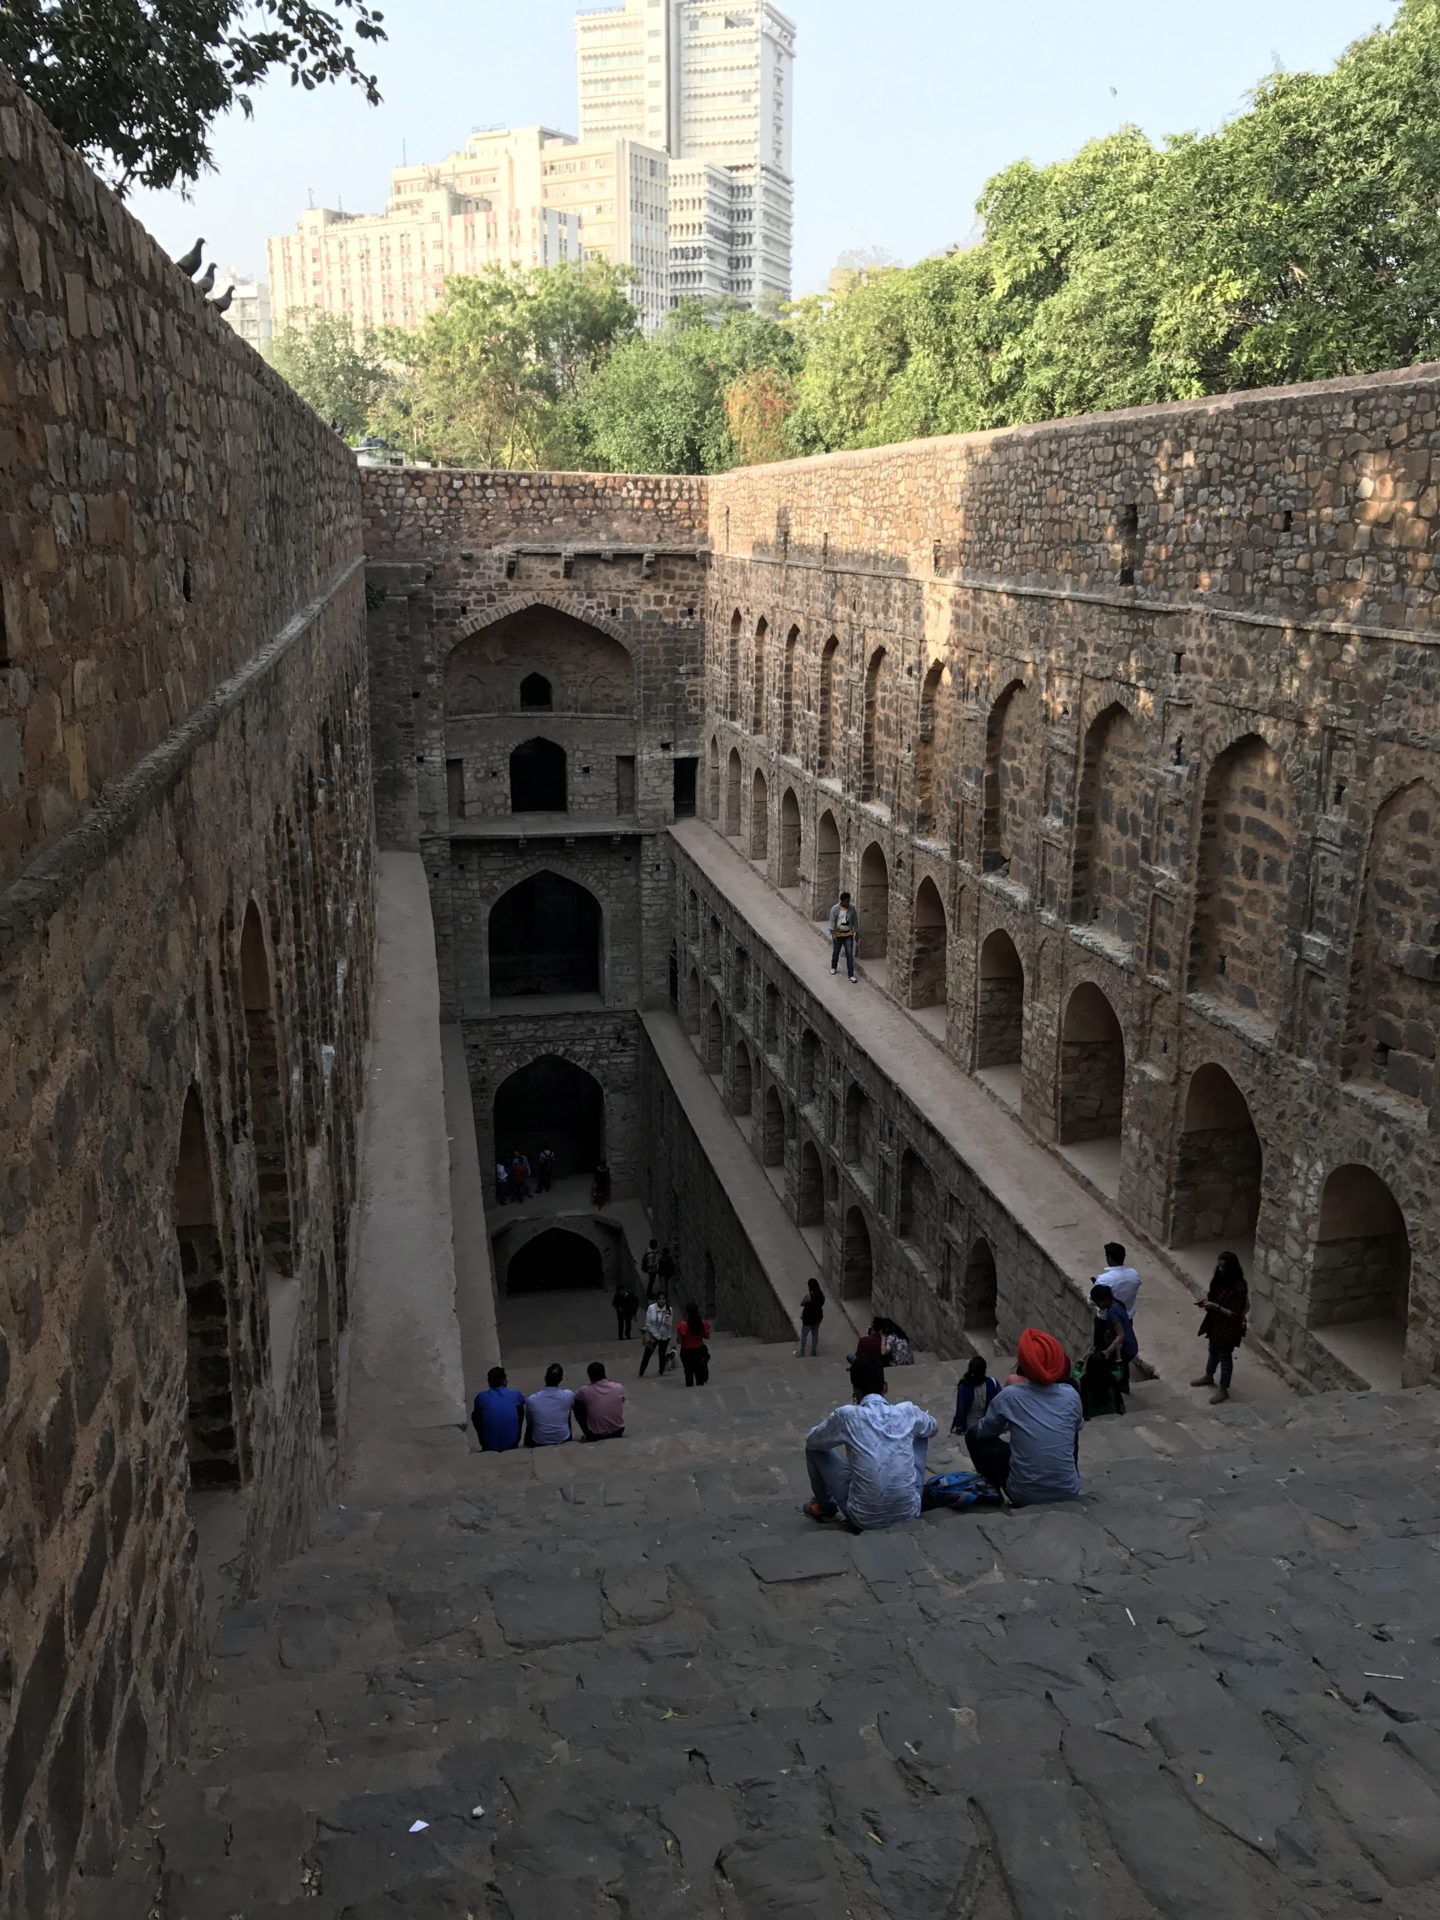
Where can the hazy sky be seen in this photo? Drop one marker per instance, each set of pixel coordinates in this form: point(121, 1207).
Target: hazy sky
point(903, 108)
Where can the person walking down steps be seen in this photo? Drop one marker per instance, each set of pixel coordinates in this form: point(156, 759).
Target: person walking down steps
point(844, 931)
point(812, 1312)
point(659, 1325)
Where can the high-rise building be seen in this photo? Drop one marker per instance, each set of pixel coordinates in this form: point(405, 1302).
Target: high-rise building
point(708, 81)
point(390, 268)
point(249, 309)
point(615, 190)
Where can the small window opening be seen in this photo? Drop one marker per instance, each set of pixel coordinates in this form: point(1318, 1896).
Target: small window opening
point(1339, 792)
point(536, 694)
point(1179, 749)
point(1288, 519)
point(187, 583)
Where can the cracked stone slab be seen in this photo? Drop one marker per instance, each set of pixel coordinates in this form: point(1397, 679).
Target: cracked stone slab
point(816, 1556)
point(545, 1610)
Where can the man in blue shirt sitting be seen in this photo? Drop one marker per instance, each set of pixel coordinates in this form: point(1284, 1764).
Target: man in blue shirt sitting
point(498, 1414)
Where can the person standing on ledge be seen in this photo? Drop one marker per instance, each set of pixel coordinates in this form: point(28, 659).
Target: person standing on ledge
point(844, 931)
point(812, 1312)
point(1227, 1306)
point(1040, 1461)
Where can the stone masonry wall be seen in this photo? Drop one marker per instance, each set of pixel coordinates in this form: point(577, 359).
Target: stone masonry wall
point(185, 952)
point(1153, 696)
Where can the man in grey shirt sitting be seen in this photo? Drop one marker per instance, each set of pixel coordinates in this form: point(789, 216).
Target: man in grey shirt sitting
point(1043, 1416)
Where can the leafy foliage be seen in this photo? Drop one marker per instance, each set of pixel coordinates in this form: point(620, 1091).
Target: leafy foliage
point(343, 378)
point(135, 85)
point(491, 378)
point(1299, 241)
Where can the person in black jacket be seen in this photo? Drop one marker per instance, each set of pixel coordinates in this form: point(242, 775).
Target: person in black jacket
point(812, 1312)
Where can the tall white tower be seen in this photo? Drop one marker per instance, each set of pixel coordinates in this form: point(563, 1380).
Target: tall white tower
point(710, 82)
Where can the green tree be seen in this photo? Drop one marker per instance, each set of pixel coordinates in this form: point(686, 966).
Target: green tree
point(340, 375)
point(135, 85)
point(659, 405)
point(492, 377)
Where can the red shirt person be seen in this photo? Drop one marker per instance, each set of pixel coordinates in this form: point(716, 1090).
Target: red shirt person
point(692, 1334)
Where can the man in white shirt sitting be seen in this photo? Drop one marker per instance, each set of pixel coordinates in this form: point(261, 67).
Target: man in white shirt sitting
point(1123, 1281)
point(867, 1460)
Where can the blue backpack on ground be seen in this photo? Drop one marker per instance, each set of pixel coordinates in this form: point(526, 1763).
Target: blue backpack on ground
point(958, 1491)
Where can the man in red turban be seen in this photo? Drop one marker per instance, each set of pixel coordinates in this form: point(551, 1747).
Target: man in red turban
point(1042, 1416)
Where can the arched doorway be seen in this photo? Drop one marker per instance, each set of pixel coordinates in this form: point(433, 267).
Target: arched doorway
point(919, 1207)
point(980, 1292)
point(1361, 1269)
point(809, 1065)
point(555, 1261)
point(859, 1131)
point(1092, 1068)
point(734, 775)
point(925, 808)
point(787, 692)
point(827, 863)
point(537, 777)
point(757, 688)
point(759, 817)
point(1219, 1162)
point(732, 678)
point(714, 784)
point(268, 1084)
point(810, 1194)
point(212, 1441)
point(742, 1097)
point(714, 1039)
point(874, 904)
point(1241, 935)
point(551, 1102)
point(1007, 771)
point(1000, 1009)
point(825, 710)
point(872, 719)
point(772, 1141)
point(545, 937)
point(1108, 826)
point(927, 952)
point(789, 870)
point(856, 1274)
point(1393, 1032)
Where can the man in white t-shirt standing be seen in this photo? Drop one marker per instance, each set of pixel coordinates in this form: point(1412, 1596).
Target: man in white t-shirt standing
point(1123, 1281)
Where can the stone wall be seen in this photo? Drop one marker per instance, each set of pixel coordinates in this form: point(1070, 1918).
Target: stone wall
point(1145, 703)
point(899, 1216)
point(185, 949)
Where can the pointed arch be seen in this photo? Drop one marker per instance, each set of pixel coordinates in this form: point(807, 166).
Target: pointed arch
point(825, 727)
point(538, 782)
point(788, 874)
point(1361, 1265)
point(1009, 743)
point(555, 1102)
point(759, 817)
point(734, 776)
point(873, 722)
point(732, 687)
point(928, 947)
point(1393, 1026)
point(1241, 932)
point(1219, 1165)
point(1106, 873)
point(827, 861)
point(925, 749)
point(787, 691)
point(1000, 1012)
point(268, 1080)
point(1092, 1068)
point(874, 904)
point(212, 1437)
point(772, 1142)
point(757, 676)
point(545, 935)
point(713, 790)
point(810, 1193)
point(857, 1277)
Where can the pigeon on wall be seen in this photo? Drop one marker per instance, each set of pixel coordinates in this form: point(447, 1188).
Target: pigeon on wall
point(221, 305)
point(207, 279)
point(188, 262)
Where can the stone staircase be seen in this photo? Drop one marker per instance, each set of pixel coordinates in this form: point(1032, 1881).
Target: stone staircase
point(634, 1679)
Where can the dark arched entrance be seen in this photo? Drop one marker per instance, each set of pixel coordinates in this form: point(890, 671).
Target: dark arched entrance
point(545, 938)
point(551, 1101)
point(555, 1261)
point(537, 777)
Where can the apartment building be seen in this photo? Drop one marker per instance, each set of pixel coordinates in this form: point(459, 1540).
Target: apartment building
point(616, 191)
point(249, 309)
point(709, 81)
point(390, 268)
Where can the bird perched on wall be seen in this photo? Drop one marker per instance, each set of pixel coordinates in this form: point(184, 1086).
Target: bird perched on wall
point(207, 279)
point(222, 303)
point(188, 262)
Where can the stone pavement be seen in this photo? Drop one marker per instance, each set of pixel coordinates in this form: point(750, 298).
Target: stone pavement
point(635, 1679)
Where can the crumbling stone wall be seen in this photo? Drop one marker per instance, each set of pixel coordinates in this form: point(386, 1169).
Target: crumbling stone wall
point(1156, 702)
point(185, 845)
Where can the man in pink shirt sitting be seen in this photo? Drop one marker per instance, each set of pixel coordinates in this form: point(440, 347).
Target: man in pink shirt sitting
point(600, 1406)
